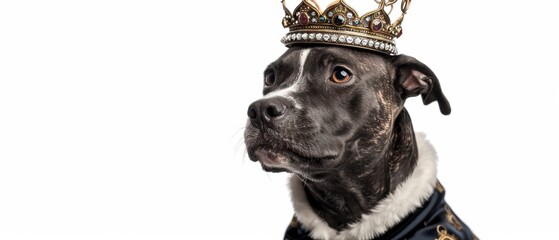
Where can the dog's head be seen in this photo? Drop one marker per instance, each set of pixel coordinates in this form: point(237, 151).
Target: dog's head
point(325, 104)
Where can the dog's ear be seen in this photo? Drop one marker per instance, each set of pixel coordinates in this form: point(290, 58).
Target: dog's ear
point(414, 78)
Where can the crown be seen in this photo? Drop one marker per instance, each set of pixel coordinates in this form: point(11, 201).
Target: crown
point(340, 24)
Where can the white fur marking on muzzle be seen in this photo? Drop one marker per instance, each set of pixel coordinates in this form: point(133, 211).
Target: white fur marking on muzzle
point(296, 86)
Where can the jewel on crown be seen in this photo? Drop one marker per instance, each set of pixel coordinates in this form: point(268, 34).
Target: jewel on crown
point(340, 24)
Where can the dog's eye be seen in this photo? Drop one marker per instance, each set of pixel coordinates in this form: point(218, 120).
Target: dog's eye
point(340, 75)
point(269, 79)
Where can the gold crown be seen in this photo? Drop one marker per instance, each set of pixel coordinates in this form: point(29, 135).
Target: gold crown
point(339, 24)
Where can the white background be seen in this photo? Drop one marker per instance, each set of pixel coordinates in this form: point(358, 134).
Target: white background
point(124, 119)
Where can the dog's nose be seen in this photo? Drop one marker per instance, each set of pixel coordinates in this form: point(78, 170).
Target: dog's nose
point(266, 110)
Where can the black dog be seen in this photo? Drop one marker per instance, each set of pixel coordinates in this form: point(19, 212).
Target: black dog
point(335, 118)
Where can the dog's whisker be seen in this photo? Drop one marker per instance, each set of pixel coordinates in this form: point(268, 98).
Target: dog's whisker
point(239, 131)
point(302, 177)
point(245, 156)
point(269, 177)
point(239, 139)
point(239, 144)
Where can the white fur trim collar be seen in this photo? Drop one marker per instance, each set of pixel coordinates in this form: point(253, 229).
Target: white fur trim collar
point(407, 197)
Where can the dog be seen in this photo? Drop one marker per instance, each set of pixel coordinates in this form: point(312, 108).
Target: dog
point(334, 117)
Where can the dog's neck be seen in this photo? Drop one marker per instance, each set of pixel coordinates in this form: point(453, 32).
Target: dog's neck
point(338, 205)
point(364, 180)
